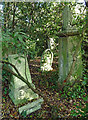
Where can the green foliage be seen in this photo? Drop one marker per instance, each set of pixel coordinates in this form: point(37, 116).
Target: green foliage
point(5, 79)
point(76, 92)
point(39, 20)
point(18, 42)
point(5, 75)
point(35, 19)
point(5, 91)
point(81, 112)
point(26, 29)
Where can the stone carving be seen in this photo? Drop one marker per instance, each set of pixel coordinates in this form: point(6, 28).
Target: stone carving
point(19, 91)
point(21, 94)
point(46, 60)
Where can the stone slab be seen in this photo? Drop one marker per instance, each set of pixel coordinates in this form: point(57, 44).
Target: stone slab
point(67, 48)
point(63, 59)
point(31, 107)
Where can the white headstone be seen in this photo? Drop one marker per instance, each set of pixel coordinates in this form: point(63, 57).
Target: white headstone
point(51, 44)
point(46, 60)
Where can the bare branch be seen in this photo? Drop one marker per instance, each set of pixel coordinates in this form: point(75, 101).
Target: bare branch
point(25, 70)
point(5, 62)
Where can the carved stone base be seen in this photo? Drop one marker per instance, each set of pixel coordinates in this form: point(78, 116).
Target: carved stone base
point(31, 107)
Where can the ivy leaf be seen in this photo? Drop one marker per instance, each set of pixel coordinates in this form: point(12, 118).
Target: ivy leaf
point(85, 78)
point(15, 34)
point(19, 61)
point(16, 58)
point(85, 98)
point(84, 82)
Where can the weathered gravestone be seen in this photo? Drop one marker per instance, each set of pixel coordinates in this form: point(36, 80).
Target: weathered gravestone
point(47, 56)
point(46, 60)
point(19, 91)
point(67, 47)
point(51, 43)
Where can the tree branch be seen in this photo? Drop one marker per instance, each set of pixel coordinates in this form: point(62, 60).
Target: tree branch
point(5, 62)
point(25, 70)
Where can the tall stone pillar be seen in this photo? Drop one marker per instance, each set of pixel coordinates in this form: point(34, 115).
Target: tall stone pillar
point(67, 47)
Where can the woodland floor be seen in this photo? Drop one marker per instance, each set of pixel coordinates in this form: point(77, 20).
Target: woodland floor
point(10, 111)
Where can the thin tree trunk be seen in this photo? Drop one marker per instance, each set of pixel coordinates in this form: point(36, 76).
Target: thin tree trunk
point(13, 22)
point(8, 13)
point(4, 10)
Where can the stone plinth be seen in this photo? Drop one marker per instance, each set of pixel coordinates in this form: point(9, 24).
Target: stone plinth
point(31, 107)
point(67, 47)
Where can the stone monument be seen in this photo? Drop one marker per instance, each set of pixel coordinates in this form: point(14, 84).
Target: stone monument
point(19, 91)
point(67, 47)
point(46, 60)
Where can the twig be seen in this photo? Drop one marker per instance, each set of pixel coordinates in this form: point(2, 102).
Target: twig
point(25, 70)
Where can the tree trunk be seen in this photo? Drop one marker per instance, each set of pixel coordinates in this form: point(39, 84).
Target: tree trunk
point(13, 22)
point(8, 14)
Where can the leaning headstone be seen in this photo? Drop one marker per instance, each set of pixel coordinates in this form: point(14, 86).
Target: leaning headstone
point(67, 47)
point(46, 60)
point(19, 91)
